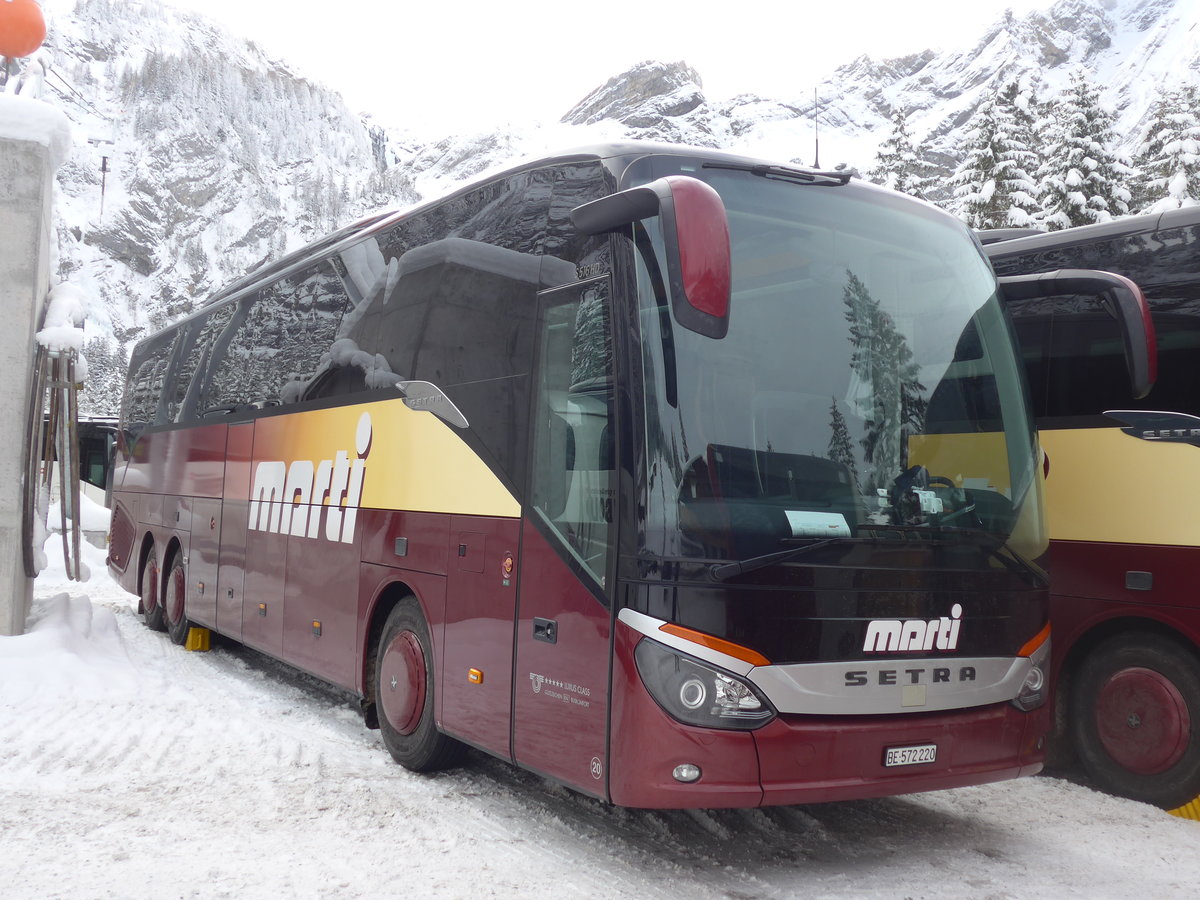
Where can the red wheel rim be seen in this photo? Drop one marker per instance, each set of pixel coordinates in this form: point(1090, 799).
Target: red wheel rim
point(402, 682)
point(150, 589)
point(176, 596)
point(1142, 721)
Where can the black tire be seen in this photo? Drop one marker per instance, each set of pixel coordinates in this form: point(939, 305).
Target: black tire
point(1135, 719)
point(405, 691)
point(151, 602)
point(174, 602)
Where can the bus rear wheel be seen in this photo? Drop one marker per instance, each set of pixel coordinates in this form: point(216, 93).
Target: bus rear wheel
point(405, 690)
point(174, 604)
point(152, 610)
point(1135, 719)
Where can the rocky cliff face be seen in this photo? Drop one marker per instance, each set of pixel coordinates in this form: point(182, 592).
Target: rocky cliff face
point(644, 97)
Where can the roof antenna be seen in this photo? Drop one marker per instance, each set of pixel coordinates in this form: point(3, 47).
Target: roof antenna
point(816, 133)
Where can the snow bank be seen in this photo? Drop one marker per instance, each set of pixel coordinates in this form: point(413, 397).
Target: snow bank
point(69, 642)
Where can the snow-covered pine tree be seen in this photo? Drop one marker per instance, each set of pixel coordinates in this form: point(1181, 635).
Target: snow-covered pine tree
point(992, 185)
point(105, 382)
point(898, 164)
point(1168, 160)
point(883, 362)
point(1083, 178)
point(841, 446)
point(1019, 110)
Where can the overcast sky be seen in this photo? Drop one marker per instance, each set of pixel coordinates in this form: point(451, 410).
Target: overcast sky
point(425, 61)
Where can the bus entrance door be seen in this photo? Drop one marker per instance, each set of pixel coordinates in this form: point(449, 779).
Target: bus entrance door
point(560, 690)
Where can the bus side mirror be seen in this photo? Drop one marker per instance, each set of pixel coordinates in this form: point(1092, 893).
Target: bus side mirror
point(1120, 297)
point(696, 230)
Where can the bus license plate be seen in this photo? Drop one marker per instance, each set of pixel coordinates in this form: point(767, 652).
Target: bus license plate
point(910, 756)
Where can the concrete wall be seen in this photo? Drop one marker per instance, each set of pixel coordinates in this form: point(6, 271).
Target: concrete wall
point(26, 188)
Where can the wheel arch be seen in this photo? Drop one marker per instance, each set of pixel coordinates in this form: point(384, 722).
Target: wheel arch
point(386, 598)
point(1130, 644)
point(174, 549)
point(1125, 626)
point(1085, 645)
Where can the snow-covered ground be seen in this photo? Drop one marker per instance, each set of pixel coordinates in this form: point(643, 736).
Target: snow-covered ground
point(131, 768)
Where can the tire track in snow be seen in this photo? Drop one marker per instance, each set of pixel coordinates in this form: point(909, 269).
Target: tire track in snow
point(228, 775)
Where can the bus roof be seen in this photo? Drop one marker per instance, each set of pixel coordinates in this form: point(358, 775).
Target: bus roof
point(1086, 234)
point(617, 155)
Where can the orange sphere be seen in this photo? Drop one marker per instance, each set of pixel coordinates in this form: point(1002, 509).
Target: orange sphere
point(22, 28)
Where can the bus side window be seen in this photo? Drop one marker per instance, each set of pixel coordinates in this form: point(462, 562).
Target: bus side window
point(276, 343)
point(194, 359)
point(148, 370)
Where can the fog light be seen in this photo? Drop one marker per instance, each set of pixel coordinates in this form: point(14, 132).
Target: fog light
point(1034, 680)
point(687, 773)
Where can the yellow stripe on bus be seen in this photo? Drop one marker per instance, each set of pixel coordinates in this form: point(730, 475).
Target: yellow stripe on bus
point(412, 461)
point(1107, 486)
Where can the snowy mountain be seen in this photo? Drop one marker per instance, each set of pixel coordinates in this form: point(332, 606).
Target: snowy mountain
point(197, 156)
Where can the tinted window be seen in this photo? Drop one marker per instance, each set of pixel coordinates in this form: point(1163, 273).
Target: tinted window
point(193, 357)
point(148, 370)
point(448, 295)
point(574, 483)
point(277, 342)
point(1073, 350)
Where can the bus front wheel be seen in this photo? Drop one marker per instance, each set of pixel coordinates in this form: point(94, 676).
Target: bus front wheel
point(152, 610)
point(404, 693)
point(1135, 719)
point(174, 605)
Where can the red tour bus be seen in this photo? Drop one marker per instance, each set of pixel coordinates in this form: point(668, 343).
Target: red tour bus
point(683, 479)
point(1123, 532)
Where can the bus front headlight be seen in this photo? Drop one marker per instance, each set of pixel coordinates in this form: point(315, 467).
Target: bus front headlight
point(1035, 690)
point(698, 693)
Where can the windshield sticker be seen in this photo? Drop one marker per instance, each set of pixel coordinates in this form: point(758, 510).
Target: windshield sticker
point(817, 524)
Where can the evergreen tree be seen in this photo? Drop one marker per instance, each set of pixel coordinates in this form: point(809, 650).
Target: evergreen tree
point(101, 395)
point(897, 163)
point(1083, 179)
point(992, 185)
point(1169, 156)
point(894, 402)
point(841, 447)
point(1021, 113)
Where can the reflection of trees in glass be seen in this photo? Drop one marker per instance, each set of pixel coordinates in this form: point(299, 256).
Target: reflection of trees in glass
point(281, 337)
point(591, 354)
point(895, 406)
point(841, 447)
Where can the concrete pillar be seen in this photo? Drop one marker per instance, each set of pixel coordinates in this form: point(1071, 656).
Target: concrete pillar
point(34, 140)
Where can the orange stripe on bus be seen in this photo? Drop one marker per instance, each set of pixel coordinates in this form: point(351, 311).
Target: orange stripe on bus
point(737, 651)
point(1040, 638)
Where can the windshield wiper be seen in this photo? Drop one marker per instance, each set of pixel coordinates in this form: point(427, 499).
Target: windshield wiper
point(816, 177)
point(876, 535)
point(725, 571)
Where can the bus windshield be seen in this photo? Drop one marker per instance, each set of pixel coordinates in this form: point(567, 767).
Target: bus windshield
point(867, 387)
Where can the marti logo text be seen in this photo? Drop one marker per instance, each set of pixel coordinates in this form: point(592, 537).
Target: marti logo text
point(903, 635)
point(295, 498)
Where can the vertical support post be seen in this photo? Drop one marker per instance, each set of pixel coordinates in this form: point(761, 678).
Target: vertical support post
point(32, 145)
